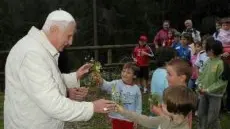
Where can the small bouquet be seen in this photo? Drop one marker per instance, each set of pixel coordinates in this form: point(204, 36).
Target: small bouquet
point(116, 97)
point(154, 99)
point(95, 72)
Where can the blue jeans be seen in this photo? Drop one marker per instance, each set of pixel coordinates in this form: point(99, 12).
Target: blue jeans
point(192, 84)
point(208, 112)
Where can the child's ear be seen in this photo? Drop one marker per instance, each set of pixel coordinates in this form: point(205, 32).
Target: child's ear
point(183, 78)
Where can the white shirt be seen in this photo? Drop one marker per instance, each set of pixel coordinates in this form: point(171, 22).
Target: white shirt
point(35, 93)
point(201, 60)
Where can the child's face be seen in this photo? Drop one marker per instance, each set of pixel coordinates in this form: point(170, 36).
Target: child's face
point(177, 39)
point(170, 34)
point(184, 41)
point(142, 43)
point(198, 48)
point(173, 78)
point(225, 26)
point(127, 75)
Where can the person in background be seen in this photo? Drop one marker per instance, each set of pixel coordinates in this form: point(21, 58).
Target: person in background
point(192, 81)
point(176, 40)
point(35, 93)
point(141, 56)
point(218, 26)
point(169, 40)
point(159, 80)
point(162, 35)
point(212, 83)
point(189, 29)
point(184, 51)
point(202, 55)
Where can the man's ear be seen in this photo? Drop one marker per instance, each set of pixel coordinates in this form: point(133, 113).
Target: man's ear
point(54, 29)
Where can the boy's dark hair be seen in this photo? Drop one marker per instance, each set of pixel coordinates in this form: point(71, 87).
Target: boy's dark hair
point(179, 99)
point(187, 36)
point(214, 45)
point(182, 67)
point(217, 49)
point(164, 55)
point(131, 66)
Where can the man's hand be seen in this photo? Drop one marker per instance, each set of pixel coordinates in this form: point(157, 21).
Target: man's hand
point(83, 70)
point(78, 94)
point(104, 106)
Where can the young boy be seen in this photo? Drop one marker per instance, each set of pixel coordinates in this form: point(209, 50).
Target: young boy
point(141, 56)
point(184, 51)
point(178, 101)
point(176, 41)
point(125, 92)
point(179, 72)
point(212, 83)
point(202, 55)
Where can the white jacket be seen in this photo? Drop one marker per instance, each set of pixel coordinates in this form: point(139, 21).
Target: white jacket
point(35, 94)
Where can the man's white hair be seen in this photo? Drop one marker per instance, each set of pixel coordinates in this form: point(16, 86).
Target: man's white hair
point(59, 18)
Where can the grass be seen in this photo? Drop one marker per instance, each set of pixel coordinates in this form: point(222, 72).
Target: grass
point(101, 121)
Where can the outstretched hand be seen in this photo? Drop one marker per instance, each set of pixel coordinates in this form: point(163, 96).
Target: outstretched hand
point(83, 70)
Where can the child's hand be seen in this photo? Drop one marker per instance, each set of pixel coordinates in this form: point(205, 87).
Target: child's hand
point(119, 108)
point(143, 53)
point(157, 110)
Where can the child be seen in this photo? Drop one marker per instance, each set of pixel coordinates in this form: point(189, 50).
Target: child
point(218, 26)
point(141, 55)
point(178, 102)
point(212, 83)
point(125, 92)
point(159, 78)
point(169, 40)
point(224, 34)
point(202, 55)
point(184, 51)
point(176, 41)
point(192, 81)
point(179, 73)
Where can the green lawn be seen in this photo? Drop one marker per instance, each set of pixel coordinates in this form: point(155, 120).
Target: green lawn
point(100, 121)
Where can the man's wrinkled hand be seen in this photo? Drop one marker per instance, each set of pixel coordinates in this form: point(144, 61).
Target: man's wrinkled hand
point(83, 70)
point(78, 94)
point(104, 106)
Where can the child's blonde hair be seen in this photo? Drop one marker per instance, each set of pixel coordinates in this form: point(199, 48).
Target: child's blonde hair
point(181, 67)
point(179, 100)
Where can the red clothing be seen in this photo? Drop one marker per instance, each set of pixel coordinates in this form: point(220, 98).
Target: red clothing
point(161, 36)
point(227, 49)
point(142, 60)
point(168, 42)
point(122, 124)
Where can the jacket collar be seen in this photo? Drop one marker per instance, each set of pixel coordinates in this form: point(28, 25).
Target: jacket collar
point(40, 36)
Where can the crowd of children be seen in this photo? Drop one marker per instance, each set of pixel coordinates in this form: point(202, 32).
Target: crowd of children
point(191, 75)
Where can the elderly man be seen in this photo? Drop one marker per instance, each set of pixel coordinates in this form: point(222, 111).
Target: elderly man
point(189, 29)
point(35, 94)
